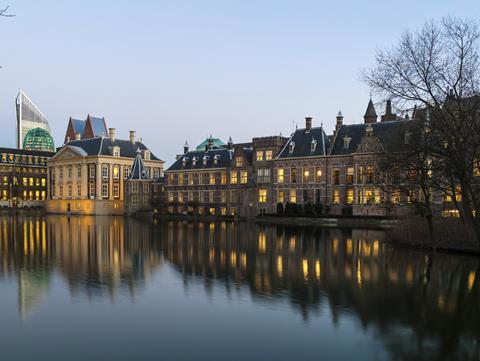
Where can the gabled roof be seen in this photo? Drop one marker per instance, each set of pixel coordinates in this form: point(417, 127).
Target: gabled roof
point(223, 158)
point(388, 133)
point(99, 128)
point(138, 169)
point(303, 141)
point(104, 146)
point(370, 112)
point(78, 125)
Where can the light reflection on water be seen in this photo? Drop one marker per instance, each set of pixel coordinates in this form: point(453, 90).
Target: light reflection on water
point(217, 290)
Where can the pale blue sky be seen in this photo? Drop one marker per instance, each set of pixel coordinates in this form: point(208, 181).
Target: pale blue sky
point(180, 70)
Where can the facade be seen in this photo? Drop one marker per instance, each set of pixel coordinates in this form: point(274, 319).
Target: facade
point(211, 181)
point(87, 176)
point(91, 127)
point(23, 178)
point(29, 117)
point(138, 188)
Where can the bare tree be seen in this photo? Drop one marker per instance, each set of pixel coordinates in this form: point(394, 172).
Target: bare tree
point(3, 12)
point(438, 68)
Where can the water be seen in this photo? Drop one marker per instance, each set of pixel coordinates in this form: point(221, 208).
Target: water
point(85, 288)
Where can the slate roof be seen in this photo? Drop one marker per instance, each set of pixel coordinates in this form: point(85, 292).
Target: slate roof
point(38, 153)
point(370, 112)
point(98, 126)
point(78, 125)
point(390, 135)
point(138, 169)
point(103, 146)
point(303, 144)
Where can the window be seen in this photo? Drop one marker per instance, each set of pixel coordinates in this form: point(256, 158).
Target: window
point(105, 171)
point(146, 187)
point(91, 171)
point(79, 190)
point(268, 155)
point(212, 211)
point(156, 173)
point(69, 190)
point(260, 155)
point(318, 174)
point(223, 178)
point(293, 175)
point(202, 197)
point(212, 178)
point(336, 197)
point(30, 182)
point(211, 196)
point(180, 197)
point(180, 178)
point(79, 171)
point(336, 176)
point(223, 197)
point(92, 189)
point(134, 187)
point(190, 196)
point(170, 196)
point(105, 190)
point(69, 172)
point(239, 161)
point(233, 211)
point(135, 201)
point(190, 179)
point(306, 175)
point(262, 196)
point(369, 176)
point(146, 200)
point(395, 198)
point(60, 173)
point(291, 147)
point(263, 175)
point(359, 174)
point(60, 191)
point(44, 195)
point(313, 145)
point(116, 151)
point(146, 154)
point(349, 175)
point(280, 175)
point(293, 196)
point(116, 172)
point(25, 181)
point(243, 177)
point(126, 172)
point(233, 196)
point(350, 196)
point(281, 197)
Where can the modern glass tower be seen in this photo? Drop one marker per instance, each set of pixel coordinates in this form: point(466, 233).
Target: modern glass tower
point(28, 117)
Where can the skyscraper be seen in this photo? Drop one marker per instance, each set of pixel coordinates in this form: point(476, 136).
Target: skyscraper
point(29, 118)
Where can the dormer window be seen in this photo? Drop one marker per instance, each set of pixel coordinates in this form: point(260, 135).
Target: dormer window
point(216, 158)
point(406, 138)
point(205, 159)
point(313, 145)
point(291, 147)
point(194, 161)
point(116, 151)
point(146, 154)
point(346, 142)
point(184, 161)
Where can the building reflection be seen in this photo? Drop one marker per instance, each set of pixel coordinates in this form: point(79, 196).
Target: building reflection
point(415, 302)
point(96, 256)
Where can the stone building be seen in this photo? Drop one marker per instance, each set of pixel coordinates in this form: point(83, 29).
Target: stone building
point(86, 176)
point(23, 177)
point(138, 188)
point(211, 181)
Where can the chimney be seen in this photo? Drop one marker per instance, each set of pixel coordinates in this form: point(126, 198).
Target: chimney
point(111, 133)
point(210, 142)
point(230, 143)
point(388, 116)
point(185, 148)
point(132, 136)
point(308, 124)
point(78, 136)
point(339, 121)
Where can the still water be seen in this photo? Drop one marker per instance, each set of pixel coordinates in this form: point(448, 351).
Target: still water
point(85, 288)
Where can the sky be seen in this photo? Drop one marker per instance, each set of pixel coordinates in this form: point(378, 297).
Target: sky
point(178, 71)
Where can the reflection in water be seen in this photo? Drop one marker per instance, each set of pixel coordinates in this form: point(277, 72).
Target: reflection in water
point(421, 306)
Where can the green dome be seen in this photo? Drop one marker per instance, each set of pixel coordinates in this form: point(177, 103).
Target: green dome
point(38, 139)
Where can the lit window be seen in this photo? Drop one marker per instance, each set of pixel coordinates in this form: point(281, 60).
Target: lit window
point(243, 176)
point(268, 155)
point(306, 175)
point(350, 196)
point(293, 196)
point(260, 155)
point(336, 197)
point(280, 197)
point(212, 178)
point(116, 172)
point(262, 196)
point(318, 175)
point(223, 178)
point(239, 161)
point(280, 175)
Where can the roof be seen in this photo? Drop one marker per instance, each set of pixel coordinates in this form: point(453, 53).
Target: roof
point(216, 143)
point(303, 141)
point(138, 169)
point(370, 112)
point(78, 125)
point(388, 134)
point(214, 158)
point(104, 146)
point(38, 153)
point(98, 126)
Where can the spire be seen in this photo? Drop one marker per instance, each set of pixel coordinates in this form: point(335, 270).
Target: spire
point(185, 147)
point(138, 169)
point(370, 114)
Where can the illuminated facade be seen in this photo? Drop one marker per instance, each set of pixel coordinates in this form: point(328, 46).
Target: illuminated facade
point(29, 117)
point(23, 177)
point(87, 176)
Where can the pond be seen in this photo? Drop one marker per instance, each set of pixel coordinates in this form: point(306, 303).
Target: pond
point(109, 288)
